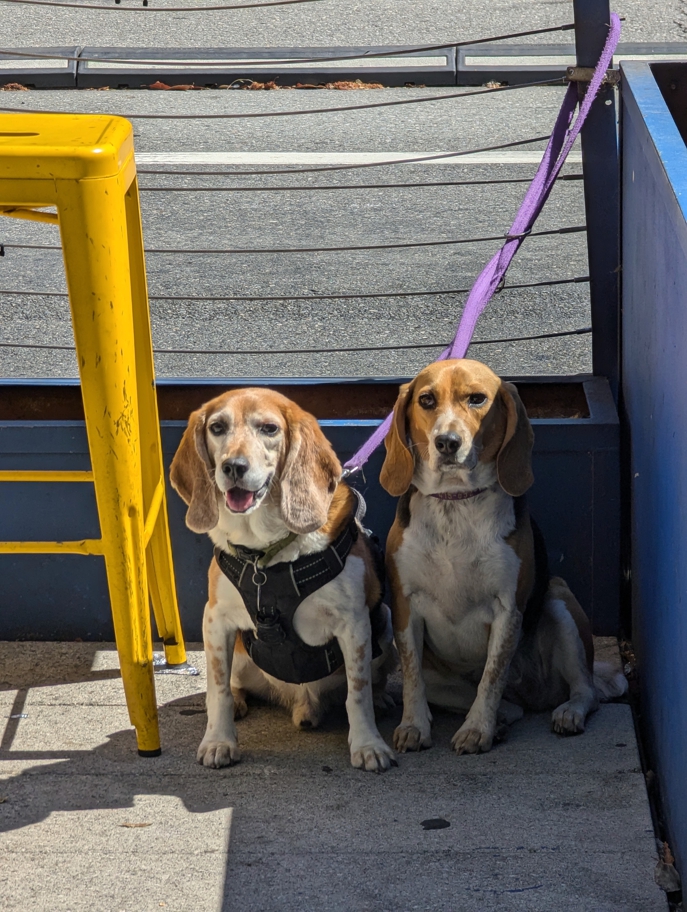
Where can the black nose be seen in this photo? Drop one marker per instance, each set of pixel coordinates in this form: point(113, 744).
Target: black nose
point(448, 444)
point(235, 468)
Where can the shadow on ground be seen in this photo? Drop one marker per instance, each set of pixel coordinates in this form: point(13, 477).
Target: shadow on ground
point(541, 822)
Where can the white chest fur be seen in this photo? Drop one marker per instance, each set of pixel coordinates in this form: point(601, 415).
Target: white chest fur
point(458, 572)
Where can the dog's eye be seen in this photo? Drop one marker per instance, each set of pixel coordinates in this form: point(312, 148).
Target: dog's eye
point(216, 428)
point(269, 429)
point(476, 400)
point(427, 401)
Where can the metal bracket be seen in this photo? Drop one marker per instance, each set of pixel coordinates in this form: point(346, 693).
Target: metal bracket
point(161, 666)
point(584, 74)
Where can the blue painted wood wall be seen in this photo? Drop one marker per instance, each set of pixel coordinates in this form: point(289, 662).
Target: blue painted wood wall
point(575, 499)
point(655, 394)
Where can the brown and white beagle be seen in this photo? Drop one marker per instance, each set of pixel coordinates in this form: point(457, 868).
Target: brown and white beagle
point(476, 616)
point(262, 480)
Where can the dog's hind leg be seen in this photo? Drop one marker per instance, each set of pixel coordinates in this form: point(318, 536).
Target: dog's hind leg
point(566, 627)
point(240, 702)
point(382, 667)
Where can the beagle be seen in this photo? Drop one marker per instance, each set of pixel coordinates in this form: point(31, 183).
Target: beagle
point(293, 590)
point(476, 617)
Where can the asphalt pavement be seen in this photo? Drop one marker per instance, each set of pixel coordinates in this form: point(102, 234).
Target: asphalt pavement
point(325, 23)
point(220, 219)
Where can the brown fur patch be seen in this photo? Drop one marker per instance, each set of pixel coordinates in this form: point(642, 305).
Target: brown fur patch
point(400, 606)
point(214, 576)
point(373, 589)
point(451, 383)
point(239, 645)
point(341, 510)
point(217, 667)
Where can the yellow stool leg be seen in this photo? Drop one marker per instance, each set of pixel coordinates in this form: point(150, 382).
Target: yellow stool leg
point(94, 238)
point(159, 551)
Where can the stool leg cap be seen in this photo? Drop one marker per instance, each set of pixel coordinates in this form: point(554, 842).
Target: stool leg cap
point(154, 753)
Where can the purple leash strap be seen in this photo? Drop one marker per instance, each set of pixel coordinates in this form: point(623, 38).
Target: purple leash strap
point(560, 144)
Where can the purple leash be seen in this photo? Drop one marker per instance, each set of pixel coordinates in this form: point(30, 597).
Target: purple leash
point(560, 144)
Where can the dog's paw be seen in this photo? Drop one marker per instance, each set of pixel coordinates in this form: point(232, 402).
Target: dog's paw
point(410, 738)
point(470, 740)
point(568, 719)
point(383, 702)
point(216, 754)
point(375, 757)
point(240, 704)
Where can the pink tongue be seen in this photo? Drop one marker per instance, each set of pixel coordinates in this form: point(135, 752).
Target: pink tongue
point(239, 500)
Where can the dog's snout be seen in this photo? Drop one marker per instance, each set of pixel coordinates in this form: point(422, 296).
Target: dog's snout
point(447, 444)
point(236, 467)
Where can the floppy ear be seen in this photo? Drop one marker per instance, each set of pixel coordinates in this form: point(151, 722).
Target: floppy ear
point(514, 459)
point(191, 476)
point(310, 475)
point(399, 466)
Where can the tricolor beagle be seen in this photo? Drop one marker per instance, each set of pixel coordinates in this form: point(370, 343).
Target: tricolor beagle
point(475, 614)
point(262, 480)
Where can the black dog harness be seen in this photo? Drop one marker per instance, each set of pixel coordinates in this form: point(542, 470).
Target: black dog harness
point(272, 596)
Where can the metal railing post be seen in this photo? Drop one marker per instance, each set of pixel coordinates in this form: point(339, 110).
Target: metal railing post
point(600, 166)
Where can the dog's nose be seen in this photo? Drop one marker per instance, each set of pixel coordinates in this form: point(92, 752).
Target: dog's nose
point(448, 444)
point(236, 467)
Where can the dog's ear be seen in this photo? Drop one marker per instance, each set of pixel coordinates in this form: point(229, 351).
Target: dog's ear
point(399, 465)
point(310, 475)
point(192, 476)
point(514, 459)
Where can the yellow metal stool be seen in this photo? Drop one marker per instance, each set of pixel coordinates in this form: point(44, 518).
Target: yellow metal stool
point(83, 165)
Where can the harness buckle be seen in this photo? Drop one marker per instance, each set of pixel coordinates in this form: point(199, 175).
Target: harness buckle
point(268, 627)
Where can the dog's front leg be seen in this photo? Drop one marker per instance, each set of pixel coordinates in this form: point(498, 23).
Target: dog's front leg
point(369, 751)
point(219, 746)
point(414, 732)
point(476, 734)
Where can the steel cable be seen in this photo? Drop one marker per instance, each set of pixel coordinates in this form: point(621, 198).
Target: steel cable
point(307, 111)
point(349, 248)
point(313, 351)
point(286, 187)
point(312, 297)
point(153, 9)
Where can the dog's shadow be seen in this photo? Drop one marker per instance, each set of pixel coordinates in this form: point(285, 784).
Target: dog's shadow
point(271, 747)
point(61, 780)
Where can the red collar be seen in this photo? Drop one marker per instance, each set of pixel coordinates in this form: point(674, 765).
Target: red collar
point(459, 495)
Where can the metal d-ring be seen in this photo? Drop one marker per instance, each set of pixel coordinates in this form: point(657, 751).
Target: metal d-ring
point(257, 573)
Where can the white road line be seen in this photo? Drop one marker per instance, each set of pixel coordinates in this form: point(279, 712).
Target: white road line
point(336, 158)
point(556, 60)
point(29, 63)
point(284, 64)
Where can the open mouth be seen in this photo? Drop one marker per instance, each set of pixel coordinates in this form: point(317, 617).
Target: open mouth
point(240, 501)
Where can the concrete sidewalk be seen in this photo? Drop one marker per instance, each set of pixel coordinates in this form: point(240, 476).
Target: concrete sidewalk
point(541, 823)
